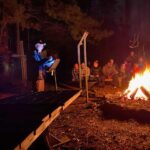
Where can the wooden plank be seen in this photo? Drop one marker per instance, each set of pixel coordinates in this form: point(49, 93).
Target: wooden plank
point(46, 121)
point(28, 138)
point(28, 141)
point(56, 111)
point(46, 118)
point(18, 147)
point(72, 99)
point(63, 140)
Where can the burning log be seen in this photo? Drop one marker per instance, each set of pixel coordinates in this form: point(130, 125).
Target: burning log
point(139, 86)
point(126, 93)
point(134, 93)
point(145, 92)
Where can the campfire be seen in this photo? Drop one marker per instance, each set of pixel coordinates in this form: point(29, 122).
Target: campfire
point(139, 87)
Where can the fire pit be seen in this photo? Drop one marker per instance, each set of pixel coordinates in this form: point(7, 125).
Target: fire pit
point(139, 87)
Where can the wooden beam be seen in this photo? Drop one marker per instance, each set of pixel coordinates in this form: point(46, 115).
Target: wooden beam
point(72, 99)
point(46, 121)
point(134, 93)
point(31, 138)
point(146, 93)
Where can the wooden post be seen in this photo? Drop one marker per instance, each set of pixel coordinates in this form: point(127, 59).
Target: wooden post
point(83, 39)
point(18, 37)
point(86, 73)
point(79, 63)
point(134, 93)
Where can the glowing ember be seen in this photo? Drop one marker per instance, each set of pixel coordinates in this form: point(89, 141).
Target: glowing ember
point(139, 86)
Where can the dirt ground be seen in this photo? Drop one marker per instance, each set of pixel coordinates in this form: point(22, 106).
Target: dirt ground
point(107, 122)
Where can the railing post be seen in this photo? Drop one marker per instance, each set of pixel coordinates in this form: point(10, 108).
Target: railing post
point(79, 62)
point(83, 42)
point(86, 76)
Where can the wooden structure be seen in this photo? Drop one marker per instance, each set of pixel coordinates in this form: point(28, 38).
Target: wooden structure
point(83, 42)
point(24, 118)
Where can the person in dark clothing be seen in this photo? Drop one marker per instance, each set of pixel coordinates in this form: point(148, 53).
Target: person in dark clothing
point(75, 72)
point(95, 71)
point(141, 64)
point(131, 60)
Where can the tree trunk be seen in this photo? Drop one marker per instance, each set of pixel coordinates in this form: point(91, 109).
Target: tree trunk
point(2, 30)
point(18, 37)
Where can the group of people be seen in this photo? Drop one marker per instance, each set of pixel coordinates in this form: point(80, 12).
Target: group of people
point(111, 72)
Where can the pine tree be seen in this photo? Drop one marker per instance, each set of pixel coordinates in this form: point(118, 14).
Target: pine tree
point(76, 21)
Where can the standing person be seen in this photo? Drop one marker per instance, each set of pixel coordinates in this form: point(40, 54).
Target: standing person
point(37, 54)
point(39, 64)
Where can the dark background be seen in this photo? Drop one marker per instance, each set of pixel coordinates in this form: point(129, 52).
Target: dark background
point(124, 17)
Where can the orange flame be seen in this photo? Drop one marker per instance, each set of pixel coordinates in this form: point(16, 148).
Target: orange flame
point(140, 80)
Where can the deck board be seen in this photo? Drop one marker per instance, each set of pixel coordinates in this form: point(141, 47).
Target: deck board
point(22, 115)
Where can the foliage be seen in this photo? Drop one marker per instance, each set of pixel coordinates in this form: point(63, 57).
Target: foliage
point(13, 13)
point(69, 14)
point(76, 21)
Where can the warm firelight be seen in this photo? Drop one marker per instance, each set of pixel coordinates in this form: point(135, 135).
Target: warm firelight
point(139, 86)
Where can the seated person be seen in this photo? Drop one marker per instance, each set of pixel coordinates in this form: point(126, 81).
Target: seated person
point(75, 72)
point(95, 71)
point(122, 75)
point(141, 64)
point(85, 71)
point(136, 69)
point(132, 58)
point(110, 72)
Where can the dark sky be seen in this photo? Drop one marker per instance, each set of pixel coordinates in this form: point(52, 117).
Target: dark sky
point(125, 17)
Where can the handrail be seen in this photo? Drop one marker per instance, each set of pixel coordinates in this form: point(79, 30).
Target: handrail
point(83, 42)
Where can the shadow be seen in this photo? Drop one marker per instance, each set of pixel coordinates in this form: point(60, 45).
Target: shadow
point(113, 111)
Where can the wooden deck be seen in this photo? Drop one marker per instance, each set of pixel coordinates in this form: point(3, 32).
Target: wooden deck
point(24, 118)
